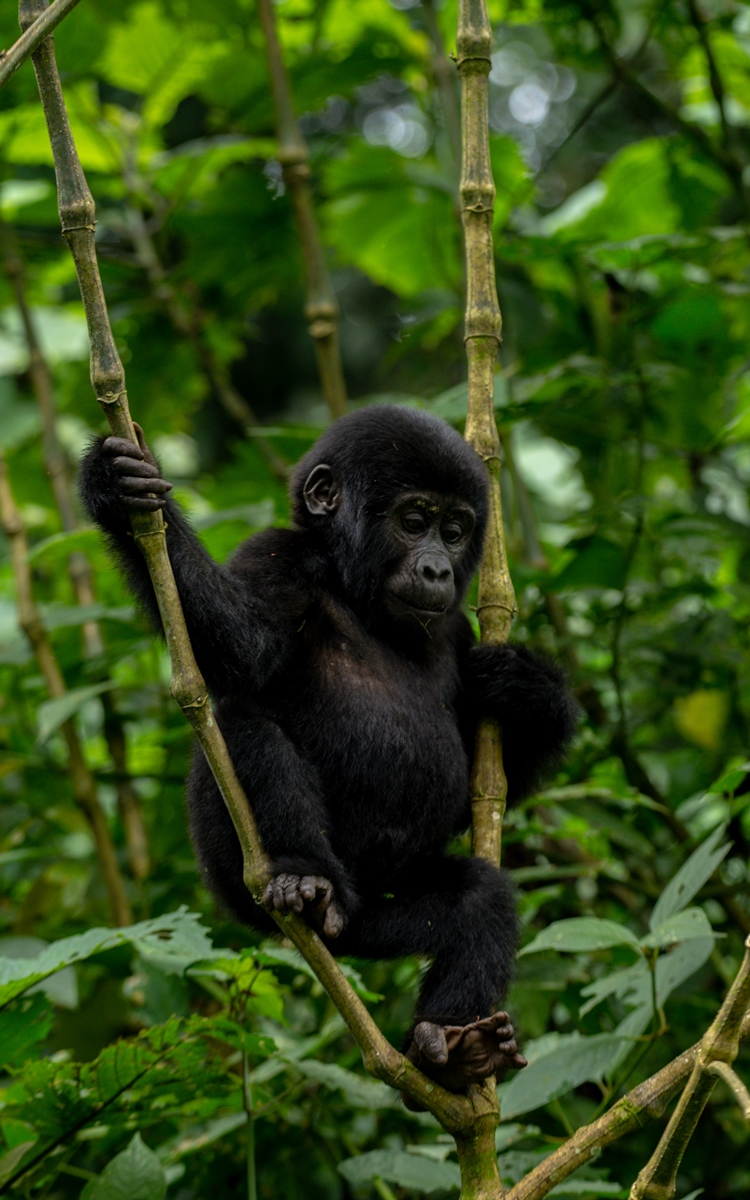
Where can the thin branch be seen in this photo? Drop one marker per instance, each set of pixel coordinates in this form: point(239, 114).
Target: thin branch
point(83, 783)
point(735, 1085)
point(79, 568)
point(496, 603)
point(714, 75)
point(321, 309)
point(720, 1044)
point(461, 1115)
point(445, 80)
point(11, 60)
point(644, 1103)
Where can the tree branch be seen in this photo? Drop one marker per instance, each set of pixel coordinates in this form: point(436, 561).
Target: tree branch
point(645, 1102)
point(79, 568)
point(11, 60)
point(459, 1114)
point(496, 603)
point(321, 309)
point(82, 780)
point(719, 1045)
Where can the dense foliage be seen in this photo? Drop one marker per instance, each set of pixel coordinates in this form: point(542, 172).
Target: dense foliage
point(177, 1053)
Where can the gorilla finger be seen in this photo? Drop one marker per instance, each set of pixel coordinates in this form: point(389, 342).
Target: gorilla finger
point(431, 1042)
point(517, 1062)
point(134, 466)
point(142, 503)
point(143, 443)
point(143, 486)
point(268, 895)
point(292, 898)
point(278, 893)
point(308, 887)
point(324, 890)
point(510, 1048)
point(334, 921)
point(115, 445)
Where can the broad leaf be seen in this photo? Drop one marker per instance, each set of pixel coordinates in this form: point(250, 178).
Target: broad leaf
point(580, 934)
point(412, 1171)
point(579, 1060)
point(54, 713)
point(692, 923)
point(690, 878)
point(134, 1174)
point(359, 1091)
point(157, 937)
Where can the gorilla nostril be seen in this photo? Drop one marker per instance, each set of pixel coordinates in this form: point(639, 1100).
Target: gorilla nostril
point(436, 574)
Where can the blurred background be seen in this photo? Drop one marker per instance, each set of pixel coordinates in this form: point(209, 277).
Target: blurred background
point(621, 156)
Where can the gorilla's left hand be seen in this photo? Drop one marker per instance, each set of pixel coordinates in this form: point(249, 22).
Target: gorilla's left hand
point(290, 893)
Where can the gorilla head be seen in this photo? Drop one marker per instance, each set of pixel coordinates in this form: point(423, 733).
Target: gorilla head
point(399, 503)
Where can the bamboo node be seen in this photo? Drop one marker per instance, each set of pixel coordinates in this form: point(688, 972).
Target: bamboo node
point(511, 608)
point(89, 228)
point(321, 328)
point(199, 703)
point(111, 397)
point(152, 533)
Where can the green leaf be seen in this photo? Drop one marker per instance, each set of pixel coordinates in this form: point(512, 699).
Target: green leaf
point(54, 713)
point(292, 958)
point(691, 877)
point(61, 616)
point(22, 1025)
point(10, 1161)
point(359, 1091)
point(134, 1174)
point(157, 936)
point(681, 927)
point(576, 1060)
point(580, 934)
point(412, 1171)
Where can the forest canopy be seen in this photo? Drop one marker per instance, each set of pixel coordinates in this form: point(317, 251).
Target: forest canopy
point(148, 1044)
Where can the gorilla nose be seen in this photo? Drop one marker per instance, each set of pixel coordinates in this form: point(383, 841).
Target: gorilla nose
point(436, 573)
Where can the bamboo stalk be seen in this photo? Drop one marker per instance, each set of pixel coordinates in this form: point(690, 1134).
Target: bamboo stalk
point(84, 785)
point(457, 1113)
point(11, 60)
point(321, 309)
point(718, 1048)
point(79, 568)
point(496, 604)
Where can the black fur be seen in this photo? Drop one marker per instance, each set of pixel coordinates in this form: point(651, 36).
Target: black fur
point(352, 733)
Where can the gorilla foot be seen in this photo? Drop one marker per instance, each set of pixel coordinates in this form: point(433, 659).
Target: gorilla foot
point(457, 1055)
point(288, 893)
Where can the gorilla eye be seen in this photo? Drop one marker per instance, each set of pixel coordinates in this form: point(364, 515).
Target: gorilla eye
point(453, 532)
point(414, 522)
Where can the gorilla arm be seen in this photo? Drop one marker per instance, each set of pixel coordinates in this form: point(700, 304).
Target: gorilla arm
point(530, 698)
point(239, 628)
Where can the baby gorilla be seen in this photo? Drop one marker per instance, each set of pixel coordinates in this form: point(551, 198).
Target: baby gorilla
point(349, 685)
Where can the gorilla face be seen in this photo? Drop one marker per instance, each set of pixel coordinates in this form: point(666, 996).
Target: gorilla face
point(429, 533)
point(412, 551)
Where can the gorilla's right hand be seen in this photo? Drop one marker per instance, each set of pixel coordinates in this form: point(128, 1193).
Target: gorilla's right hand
point(137, 475)
point(292, 893)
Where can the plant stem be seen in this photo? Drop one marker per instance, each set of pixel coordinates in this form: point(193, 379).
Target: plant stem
point(321, 309)
point(645, 1102)
point(79, 568)
point(84, 785)
point(719, 1045)
point(496, 604)
point(11, 60)
point(247, 1104)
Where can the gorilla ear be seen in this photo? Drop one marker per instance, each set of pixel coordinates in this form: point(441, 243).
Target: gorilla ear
point(321, 492)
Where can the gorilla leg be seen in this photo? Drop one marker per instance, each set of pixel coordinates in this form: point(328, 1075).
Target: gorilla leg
point(459, 911)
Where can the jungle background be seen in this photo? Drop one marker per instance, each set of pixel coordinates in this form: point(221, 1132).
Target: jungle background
point(182, 1054)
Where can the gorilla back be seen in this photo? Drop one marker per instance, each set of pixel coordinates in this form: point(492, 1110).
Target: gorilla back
point(349, 687)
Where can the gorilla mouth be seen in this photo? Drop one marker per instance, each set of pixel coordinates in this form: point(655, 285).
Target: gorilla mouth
point(422, 612)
